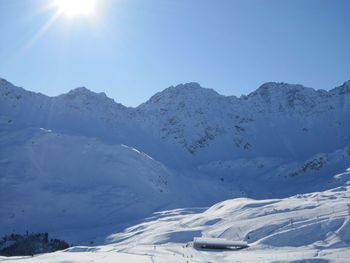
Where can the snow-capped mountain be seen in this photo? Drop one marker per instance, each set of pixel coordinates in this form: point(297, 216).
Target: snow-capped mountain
point(82, 161)
point(208, 126)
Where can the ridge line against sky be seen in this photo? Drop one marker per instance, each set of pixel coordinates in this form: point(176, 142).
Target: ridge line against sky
point(83, 89)
point(132, 49)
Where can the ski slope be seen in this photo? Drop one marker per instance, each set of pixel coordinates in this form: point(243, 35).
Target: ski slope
point(312, 227)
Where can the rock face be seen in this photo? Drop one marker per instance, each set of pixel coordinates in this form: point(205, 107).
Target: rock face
point(88, 162)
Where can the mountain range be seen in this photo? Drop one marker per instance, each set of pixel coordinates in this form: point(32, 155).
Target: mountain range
point(82, 166)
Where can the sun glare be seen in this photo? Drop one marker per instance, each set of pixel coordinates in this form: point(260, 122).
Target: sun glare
point(75, 7)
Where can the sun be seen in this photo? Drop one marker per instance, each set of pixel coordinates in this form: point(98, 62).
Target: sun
point(75, 7)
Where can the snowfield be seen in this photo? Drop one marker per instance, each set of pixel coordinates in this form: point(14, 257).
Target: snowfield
point(312, 227)
point(138, 184)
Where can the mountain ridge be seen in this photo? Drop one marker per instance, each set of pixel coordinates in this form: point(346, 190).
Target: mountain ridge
point(173, 114)
point(185, 146)
point(194, 86)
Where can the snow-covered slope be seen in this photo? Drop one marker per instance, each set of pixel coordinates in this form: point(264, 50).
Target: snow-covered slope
point(84, 163)
point(322, 218)
point(312, 227)
point(63, 183)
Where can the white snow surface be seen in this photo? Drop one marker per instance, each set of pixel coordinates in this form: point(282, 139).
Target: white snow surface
point(311, 227)
point(81, 167)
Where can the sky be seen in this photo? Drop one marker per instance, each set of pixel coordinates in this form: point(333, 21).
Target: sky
point(131, 49)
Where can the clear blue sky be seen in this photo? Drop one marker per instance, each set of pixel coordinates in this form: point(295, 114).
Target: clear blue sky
point(131, 49)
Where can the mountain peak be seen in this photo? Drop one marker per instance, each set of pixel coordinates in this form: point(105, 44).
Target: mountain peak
point(81, 90)
point(190, 87)
point(343, 89)
point(85, 93)
point(4, 82)
point(9, 88)
point(278, 86)
point(269, 89)
point(183, 92)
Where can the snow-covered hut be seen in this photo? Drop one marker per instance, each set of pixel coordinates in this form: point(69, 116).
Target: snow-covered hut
point(217, 243)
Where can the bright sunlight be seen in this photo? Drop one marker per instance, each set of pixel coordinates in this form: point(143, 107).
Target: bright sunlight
point(75, 7)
